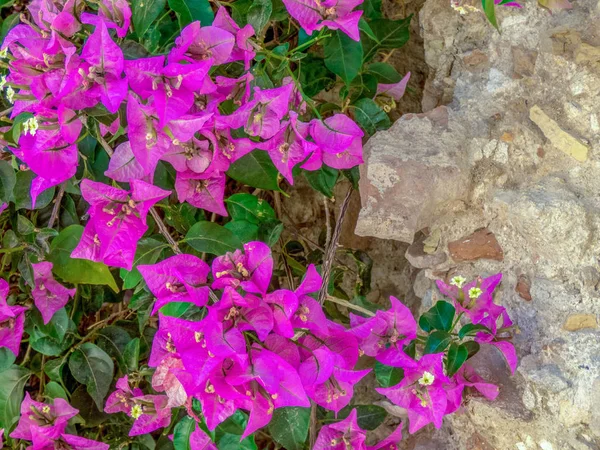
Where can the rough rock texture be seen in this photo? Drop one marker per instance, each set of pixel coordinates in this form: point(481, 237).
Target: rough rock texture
point(509, 141)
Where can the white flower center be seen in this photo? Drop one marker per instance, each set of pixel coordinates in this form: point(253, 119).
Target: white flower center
point(427, 379)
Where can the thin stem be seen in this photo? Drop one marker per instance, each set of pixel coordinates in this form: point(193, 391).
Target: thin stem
point(56, 207)
point(313, 425)
point(105, 145)
point(327, 222)
point(164, 231)
point(6, 111)
point(307, 44)
point(349, 305)
point(332, 248)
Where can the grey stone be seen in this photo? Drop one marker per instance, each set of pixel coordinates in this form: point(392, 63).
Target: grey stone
point(413, 170)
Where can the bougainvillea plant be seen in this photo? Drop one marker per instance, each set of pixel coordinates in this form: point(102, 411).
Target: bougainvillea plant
point(150, 296)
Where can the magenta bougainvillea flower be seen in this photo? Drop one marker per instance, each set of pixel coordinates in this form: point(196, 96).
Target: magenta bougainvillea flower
point(49, 295)
point(180, 278)
point(250, 269)
point(384, 335)
point(43, 420)
point(199, 440)
point(117, 221)
point(422, 392)
point(122, 400)
point(198, 43)
point(12, 321)
point(203, 190)
point(335, 14)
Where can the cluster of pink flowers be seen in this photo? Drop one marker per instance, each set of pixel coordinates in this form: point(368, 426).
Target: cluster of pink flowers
point(44, 425)
point(259, 350)
point(172, 114)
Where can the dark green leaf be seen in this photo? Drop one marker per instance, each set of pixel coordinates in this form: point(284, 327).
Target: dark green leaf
point(7, 358)
point(384, 73)
point(212, 238)
point(91, 366)
point(255, 169)
point(315, 76)
point(77, 271)
point(248, 207)
point(54, 368)
point(259, 14)
point(133, 50)
point(235, 424)
point(437, 342)
point(363, 86)
point(439, 317)
point(54, 390)
point(489, 8)
point(244, 230)
point(389, 33)
point(471, 329)
point(15, 131)
point(370, 417)
point(269, 231)
point(343, 56)
point(189, 11)
point(372, 9)
point(370, 116)
point(21, 192)
point(26, 269)
point(113, 340)
point(322, 180)
point(24, 225)
point(353, 176)
point(472, 347)
point(88, 410)
point(147, 252)
point(289, 427)
point(457, 355)
point(131, 355)
point(388, 376)
point(8, 179)
point(232, 442)
point(12, 382)
point(144, 13)
point(181, 433)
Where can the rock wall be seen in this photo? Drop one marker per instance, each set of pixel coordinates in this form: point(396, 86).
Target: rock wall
point(502, 173)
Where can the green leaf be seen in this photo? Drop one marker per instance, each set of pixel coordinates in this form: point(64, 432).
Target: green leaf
point(353, 175)
point(248, 207)
point(12, 383)
point(384, 73)
point(471, 329)
point(232, 442)
point(315, 76)
point(181, 433)
point(8, 179)
point(322, 180)
point(489, 8)
point(439, 317)
point(54, 390)
point(144, 13)
point(457, 355)
point(209, 237)
point(343, 56)
point(131, 50)
point(368, 417)
point(244, 230)
point(131, 355)
point(7, 358)
point(472, 347)
point(289, 427)
point(24, 225)
point(363, 86)
point(113, 340)
point(372, 9)
point(370, 117)
point(259, 14)
point(8, 24)
point(269, 231)
point(21, 192)
point(255, 169)
point(15, 131)
point(234, 424)
point(147, 252)
point(189, 11)
point(389, 33)
point(388, 376)
point(54, 368)
point(437, 342)
point(77, 271)
point(92, 367)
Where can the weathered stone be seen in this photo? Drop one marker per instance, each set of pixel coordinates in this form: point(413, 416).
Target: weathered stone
point(480, 245)
point(413, 170)
point(523, 288)
point(523, 62)
point(559, 138)
point(577, 322)
point(417, 257)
